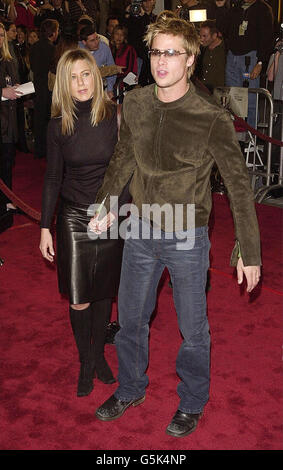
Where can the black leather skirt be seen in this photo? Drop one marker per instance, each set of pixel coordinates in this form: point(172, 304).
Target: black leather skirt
point(88, 269)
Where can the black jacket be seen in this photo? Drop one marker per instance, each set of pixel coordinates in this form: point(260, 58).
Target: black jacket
point(259, 34)
point(8, 113)
point(41, 59)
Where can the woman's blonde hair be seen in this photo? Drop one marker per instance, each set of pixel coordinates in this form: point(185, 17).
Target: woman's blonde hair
point(176, 27)
point(63, 105)
point(5, 53)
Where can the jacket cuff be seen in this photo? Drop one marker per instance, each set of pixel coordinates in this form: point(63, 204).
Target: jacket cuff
point(235, 255)
point(248, 260)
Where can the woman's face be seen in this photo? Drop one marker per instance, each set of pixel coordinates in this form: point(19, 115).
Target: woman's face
point(33, 37)
point(12, 33)
point(118, 37)
point(2, 37)
point(82, 83)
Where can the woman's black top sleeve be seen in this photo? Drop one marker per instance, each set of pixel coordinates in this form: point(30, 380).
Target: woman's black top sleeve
point(76, 164)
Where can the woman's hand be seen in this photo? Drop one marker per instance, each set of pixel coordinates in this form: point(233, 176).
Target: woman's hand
point(11, 93)
point(46, 245)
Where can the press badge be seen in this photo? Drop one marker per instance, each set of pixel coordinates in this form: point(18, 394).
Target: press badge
point(243, 28)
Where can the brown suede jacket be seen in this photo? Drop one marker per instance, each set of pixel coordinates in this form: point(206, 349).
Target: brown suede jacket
point(169, 149)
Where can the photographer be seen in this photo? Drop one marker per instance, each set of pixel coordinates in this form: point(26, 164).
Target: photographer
point(183, 10)
point(52, 10)
point(139, 14)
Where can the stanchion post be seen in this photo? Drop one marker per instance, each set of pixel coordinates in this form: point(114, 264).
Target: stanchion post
point(267, 95)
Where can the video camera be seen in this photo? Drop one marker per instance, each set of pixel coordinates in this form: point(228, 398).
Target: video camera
point(135, 8)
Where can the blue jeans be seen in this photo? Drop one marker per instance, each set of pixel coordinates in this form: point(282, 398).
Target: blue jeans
point(142, 266)
point(235, 69)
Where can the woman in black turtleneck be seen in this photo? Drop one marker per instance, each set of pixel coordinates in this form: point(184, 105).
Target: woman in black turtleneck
point(81, 138)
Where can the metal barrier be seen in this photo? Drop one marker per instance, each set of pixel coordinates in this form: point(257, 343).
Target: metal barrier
point(268, 172)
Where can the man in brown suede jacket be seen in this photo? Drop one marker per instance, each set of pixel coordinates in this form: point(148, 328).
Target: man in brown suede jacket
point(170, 138)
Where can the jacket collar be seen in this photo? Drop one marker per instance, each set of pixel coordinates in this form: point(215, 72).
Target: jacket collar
point(173, 104)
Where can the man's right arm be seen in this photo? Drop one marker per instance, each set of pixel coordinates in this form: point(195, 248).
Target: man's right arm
point(121, 167)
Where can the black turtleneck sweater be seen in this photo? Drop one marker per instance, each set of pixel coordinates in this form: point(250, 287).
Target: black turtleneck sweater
point(76, 164)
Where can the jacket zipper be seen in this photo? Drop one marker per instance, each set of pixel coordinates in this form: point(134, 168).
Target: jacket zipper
point(156, 150)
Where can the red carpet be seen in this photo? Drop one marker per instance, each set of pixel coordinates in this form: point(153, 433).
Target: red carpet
point(39, 368)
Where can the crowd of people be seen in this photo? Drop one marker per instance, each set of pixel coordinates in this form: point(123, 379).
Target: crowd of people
point(64, 49)
point(235, 41)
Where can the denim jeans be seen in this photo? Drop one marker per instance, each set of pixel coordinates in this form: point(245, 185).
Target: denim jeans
point(142, 266)
point(235, 69)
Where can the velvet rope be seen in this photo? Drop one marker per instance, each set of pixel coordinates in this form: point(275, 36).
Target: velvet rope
point(18, 202)
point(241, 122)
point(244, 124)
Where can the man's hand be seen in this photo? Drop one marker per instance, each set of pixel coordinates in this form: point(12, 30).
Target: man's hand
point(255, 71)
point(110, 94)
point(252, 274)
point(99, 226)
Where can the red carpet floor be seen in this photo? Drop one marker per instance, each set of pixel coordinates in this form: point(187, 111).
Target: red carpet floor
point(39, 368)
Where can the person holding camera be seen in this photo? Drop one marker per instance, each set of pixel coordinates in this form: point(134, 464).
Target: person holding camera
point(53, 10)
point(139, 14)
point(183, 10)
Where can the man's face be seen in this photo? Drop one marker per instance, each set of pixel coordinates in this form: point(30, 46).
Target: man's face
point(206, 38)
point(55, 35)
point(170, 73)
point(111, 25)
point(92, 42)
point(148, 6)
point(12, 33)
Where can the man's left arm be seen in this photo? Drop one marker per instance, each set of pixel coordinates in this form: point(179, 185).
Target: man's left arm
point(225, 149)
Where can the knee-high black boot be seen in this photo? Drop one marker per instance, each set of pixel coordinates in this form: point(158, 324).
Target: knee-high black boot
point(81, 326)
point(101, 311)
